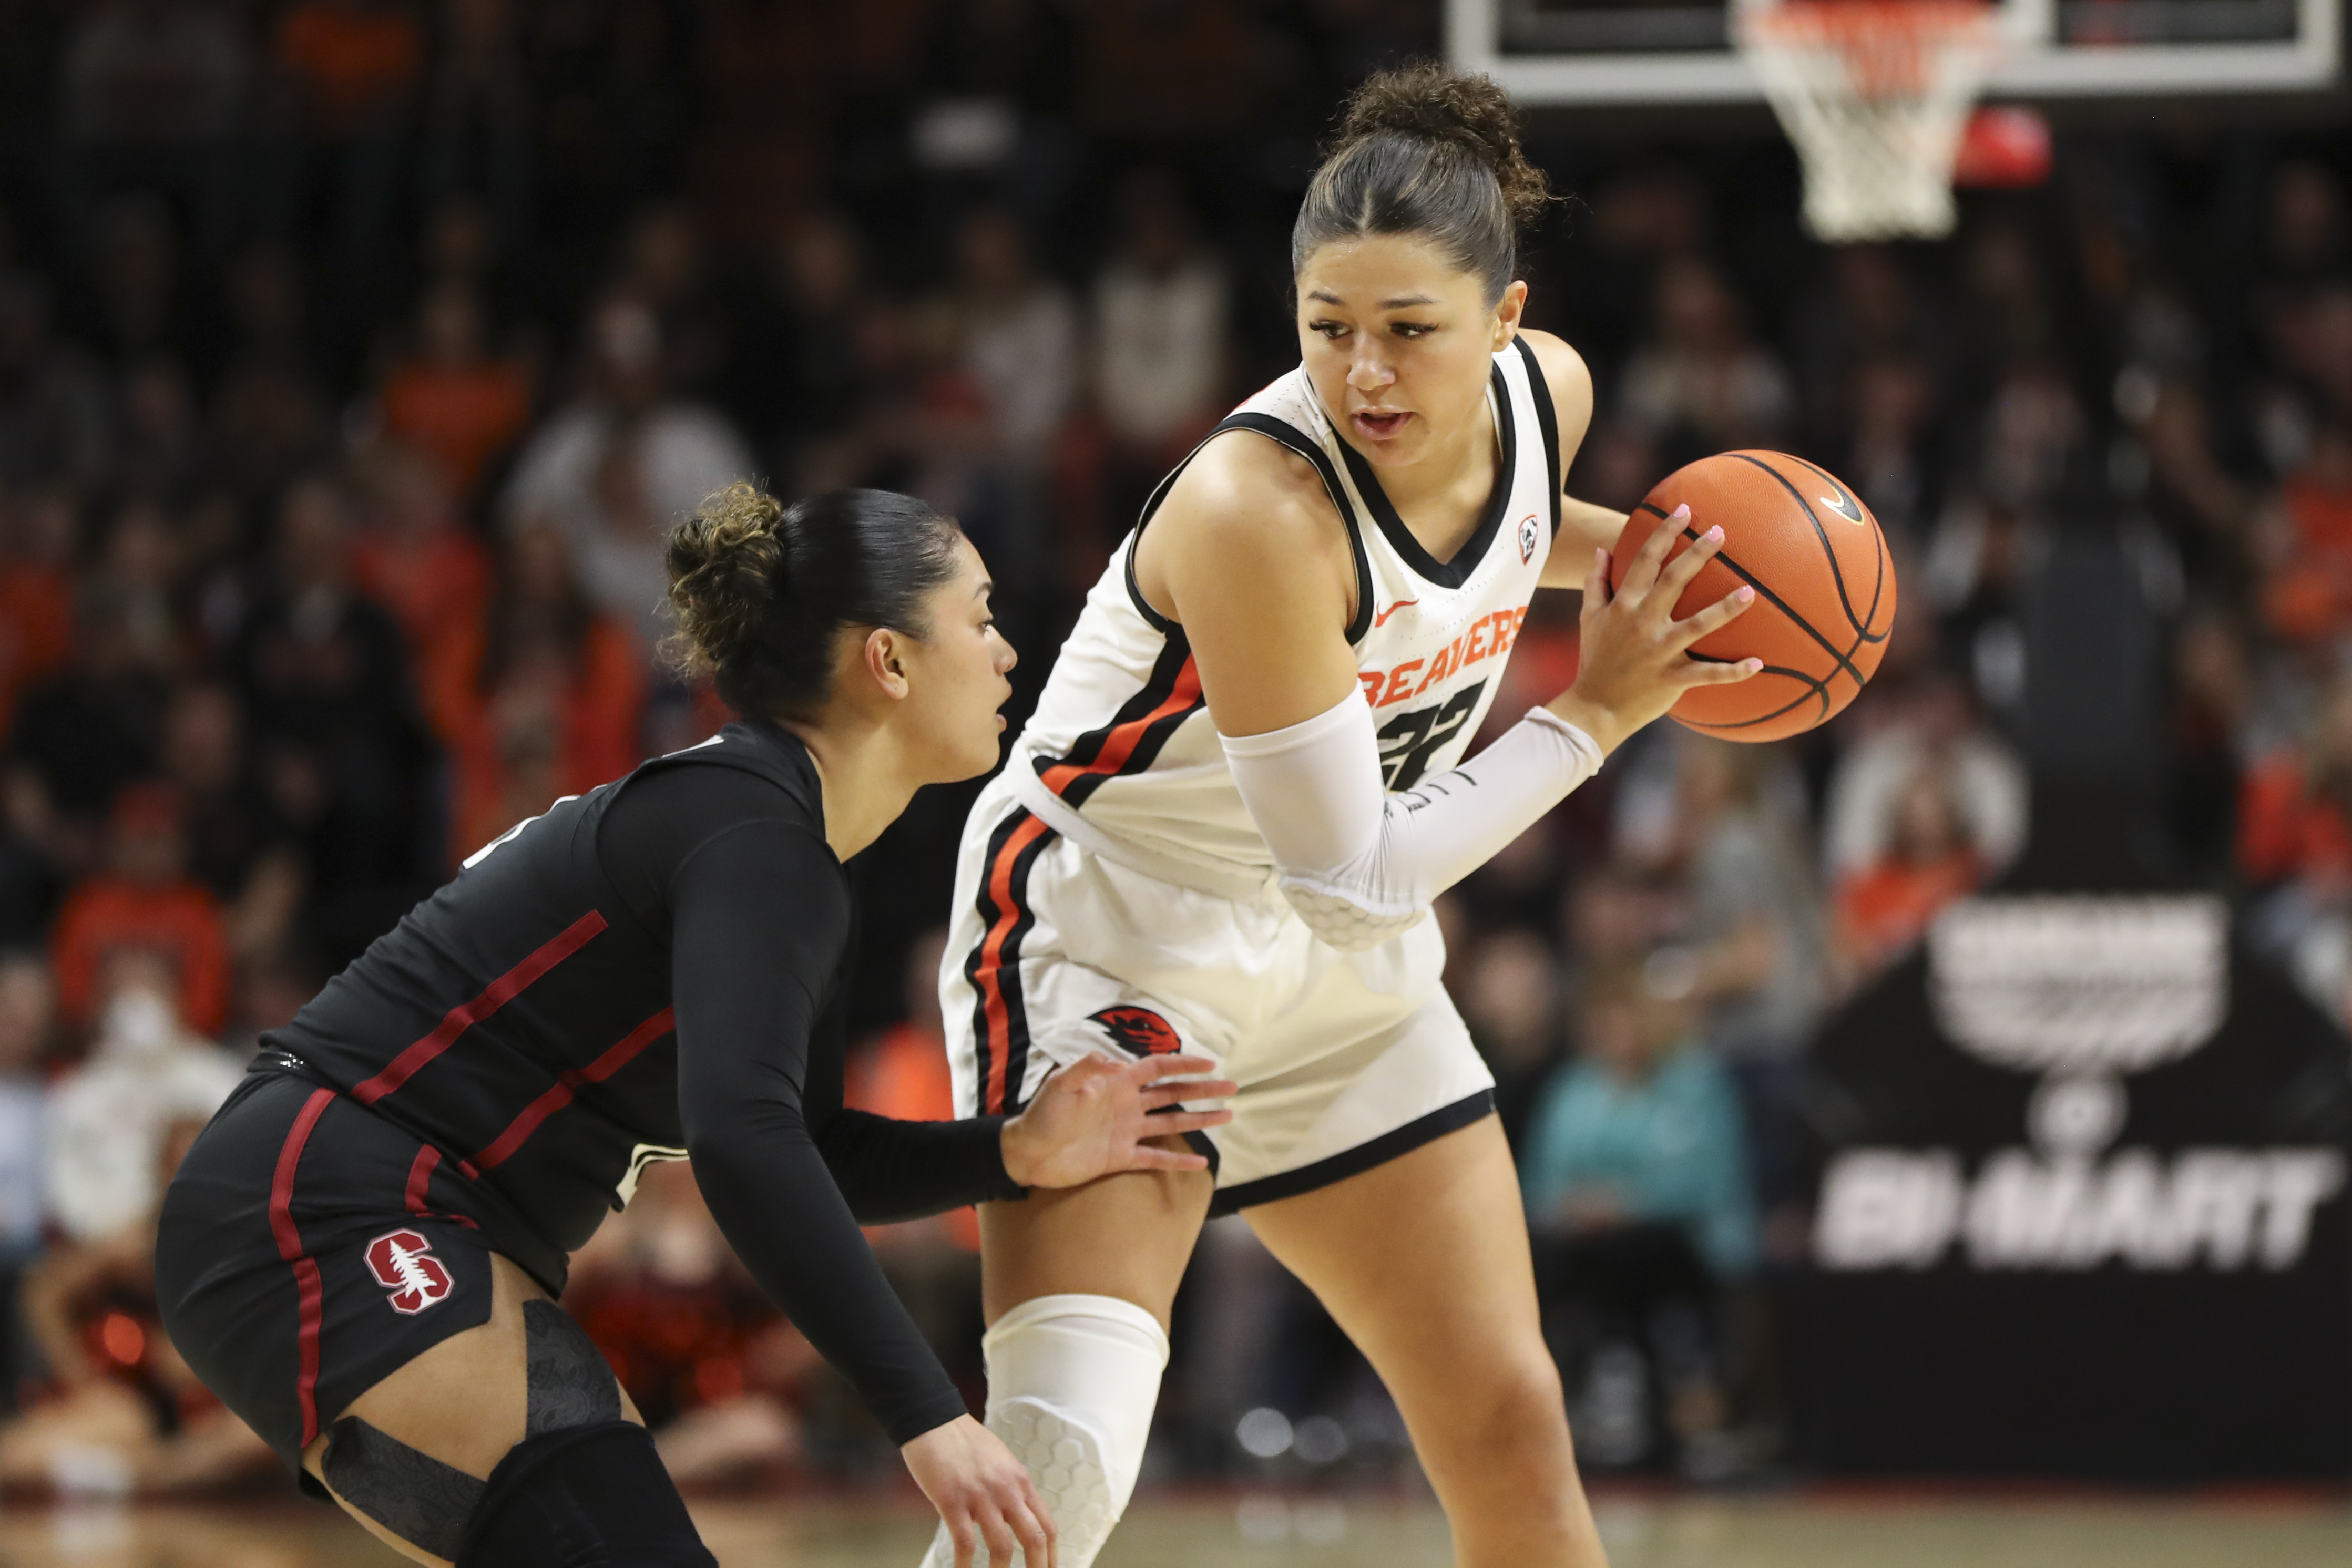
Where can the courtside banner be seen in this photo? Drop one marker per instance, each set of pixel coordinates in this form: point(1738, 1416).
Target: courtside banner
point(2082, 1206)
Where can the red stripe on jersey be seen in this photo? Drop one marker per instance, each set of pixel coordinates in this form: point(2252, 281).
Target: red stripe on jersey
point(466, 1015)
point(309, 1290)
point(420, 1177)
point(568, 1084)
point(989, 975)
point(1119, 743)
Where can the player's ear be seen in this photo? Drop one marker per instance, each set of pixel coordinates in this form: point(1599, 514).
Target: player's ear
point(1507, 311)
point(886, 660)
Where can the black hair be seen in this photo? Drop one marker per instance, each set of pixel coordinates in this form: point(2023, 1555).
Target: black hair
point(1432, 152)
point(762, 590)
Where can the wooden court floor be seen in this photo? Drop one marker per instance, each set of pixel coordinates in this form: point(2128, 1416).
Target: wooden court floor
point(1267, 1532)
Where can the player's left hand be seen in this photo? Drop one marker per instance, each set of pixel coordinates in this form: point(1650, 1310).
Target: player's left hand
point(1097, 1118)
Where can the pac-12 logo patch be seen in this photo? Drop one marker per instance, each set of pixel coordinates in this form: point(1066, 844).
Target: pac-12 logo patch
point(1139, 1031)
point(1526, 539)
point(402, 1263)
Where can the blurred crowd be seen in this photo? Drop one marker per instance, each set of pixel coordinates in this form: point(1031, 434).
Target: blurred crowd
point(354, 354)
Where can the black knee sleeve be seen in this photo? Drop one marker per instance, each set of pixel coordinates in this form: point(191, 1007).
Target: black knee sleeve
point(584, 1496)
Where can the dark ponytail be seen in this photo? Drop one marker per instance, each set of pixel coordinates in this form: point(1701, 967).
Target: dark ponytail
point(762, 590)
point(1428, 151)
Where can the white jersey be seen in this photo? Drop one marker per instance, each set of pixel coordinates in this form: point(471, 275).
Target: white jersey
point(1121, 753)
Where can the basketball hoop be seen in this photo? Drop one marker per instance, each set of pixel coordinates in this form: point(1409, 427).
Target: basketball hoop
point(1875, 95)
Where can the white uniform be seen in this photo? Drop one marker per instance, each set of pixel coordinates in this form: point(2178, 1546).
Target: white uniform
point(1113, 894)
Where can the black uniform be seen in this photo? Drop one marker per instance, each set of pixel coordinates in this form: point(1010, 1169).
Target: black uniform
point(651, 970)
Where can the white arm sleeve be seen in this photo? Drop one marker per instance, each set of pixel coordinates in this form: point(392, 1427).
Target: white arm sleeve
point(1361, 864)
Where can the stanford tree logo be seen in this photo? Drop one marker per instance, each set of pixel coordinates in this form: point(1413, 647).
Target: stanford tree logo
point(402, 1263)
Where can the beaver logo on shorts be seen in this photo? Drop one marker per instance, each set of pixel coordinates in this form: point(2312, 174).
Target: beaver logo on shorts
point(1527, 538)
point(1139, 1031)
point(402, 1263)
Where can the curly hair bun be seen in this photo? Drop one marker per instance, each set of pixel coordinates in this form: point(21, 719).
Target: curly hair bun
point(1430, 101)
point(763, 591)
point(728, 563)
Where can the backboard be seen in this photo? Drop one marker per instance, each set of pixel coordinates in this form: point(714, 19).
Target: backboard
point(1648, 52)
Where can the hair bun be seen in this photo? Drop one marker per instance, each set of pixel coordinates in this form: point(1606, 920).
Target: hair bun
point(727, 564)
point(1431, 101)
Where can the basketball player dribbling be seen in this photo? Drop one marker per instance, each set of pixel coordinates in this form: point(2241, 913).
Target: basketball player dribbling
point(1243, 787)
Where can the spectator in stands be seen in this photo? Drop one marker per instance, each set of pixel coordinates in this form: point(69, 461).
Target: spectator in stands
point(341, 749)
point(415, 557)
point(91, 1305)
point(269, 427)
point(1883, 909)
point(614, 468)
point(137, 282)
point(792, 377)
point(52, 399)
point(236, 847)
point(1162, 340)
point(26, 1019)
point(141, 563)
point(476, 143)
point(37, 545)
point(1019, 332)
point(111, 1117)
point(1930, 728)
point(1701, 382)
point(709, 1362)
point(558, 693)
point(159, 448)
point(1757, 958)
point(2307, 539)
point(144, 901)
point(1636, 1183)
point(151, 92)
point(1511, 1000)
point(451, 397)
point(350, 70)
point(2216, 723)
point(81, 736)
point(2295, 813)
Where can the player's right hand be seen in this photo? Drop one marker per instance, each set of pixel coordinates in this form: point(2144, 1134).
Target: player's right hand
point(983, 1493)
point(1633, 657)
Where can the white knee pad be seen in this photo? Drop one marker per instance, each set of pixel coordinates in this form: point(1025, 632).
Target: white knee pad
point(1072, 1383)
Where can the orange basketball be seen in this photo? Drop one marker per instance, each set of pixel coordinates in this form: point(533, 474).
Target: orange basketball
point(1824, 589)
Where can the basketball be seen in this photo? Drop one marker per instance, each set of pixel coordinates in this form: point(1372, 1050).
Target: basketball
point(1824, 589)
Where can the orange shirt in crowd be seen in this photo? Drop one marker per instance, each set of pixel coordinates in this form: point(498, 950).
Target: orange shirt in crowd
point(904, 1075)
point(35, 630)
point(2309, 596)
point(596, 743)
point(2283, 831)
point(109, 913)
point(462, 415)
point(1883, 910)
point(352, 61)
point(437, 591)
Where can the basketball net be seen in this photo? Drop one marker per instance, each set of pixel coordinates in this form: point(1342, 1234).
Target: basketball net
point(1875, 94)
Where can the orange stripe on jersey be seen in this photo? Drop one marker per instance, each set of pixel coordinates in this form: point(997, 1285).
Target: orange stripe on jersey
point(988, 972)
point(1120, 743)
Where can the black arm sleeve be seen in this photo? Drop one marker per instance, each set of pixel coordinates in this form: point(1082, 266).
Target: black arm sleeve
point(760, 914)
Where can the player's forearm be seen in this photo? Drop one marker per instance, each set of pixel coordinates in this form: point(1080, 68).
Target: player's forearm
point(1587, 524)
point(1583, 528)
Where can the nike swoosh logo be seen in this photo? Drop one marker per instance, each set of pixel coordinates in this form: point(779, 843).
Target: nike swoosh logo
point(1382, 618)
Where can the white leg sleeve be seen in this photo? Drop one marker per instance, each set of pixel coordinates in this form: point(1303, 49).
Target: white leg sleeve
point(1072, 1383)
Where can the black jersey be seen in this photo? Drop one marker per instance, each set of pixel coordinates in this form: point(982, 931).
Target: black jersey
point(651, 970)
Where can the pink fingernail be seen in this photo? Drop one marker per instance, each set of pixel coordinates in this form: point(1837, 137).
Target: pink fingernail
point(1683, 510)
point(1715, 535)
point(1745, 594)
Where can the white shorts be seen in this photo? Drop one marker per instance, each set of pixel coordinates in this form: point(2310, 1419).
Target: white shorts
point(1345, 1061)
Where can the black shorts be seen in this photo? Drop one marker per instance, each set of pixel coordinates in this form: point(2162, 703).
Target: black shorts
point(307, 1249)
